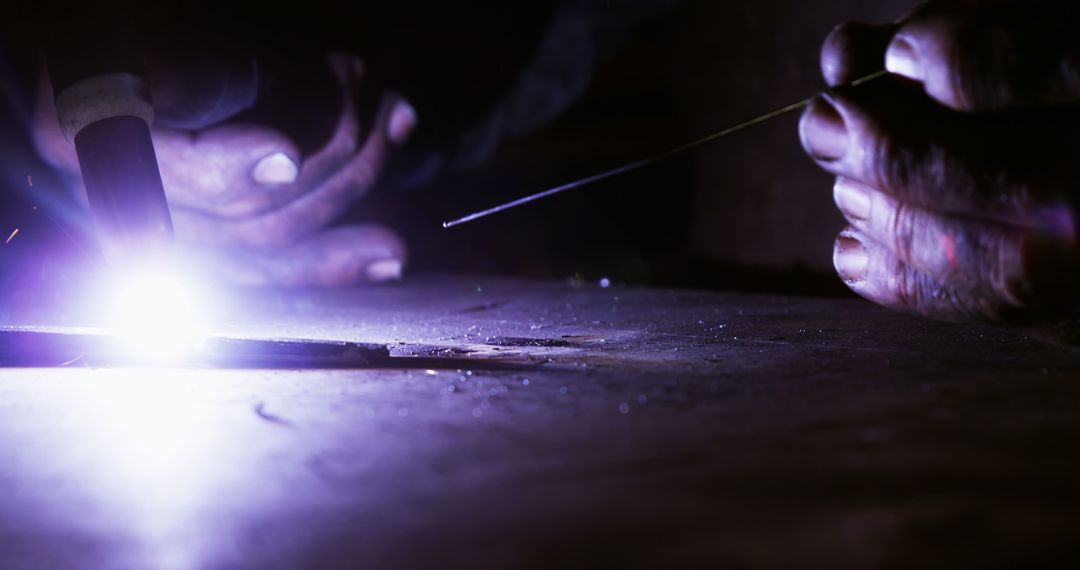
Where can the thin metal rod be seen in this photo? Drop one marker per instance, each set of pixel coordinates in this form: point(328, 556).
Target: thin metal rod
point(650, 160)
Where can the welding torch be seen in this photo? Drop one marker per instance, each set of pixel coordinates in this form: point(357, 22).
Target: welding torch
point(104, 108)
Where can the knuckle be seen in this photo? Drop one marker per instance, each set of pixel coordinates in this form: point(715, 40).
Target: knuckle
point(922, 295)
point(918, 293)
point(356, 177)
point(890, 162)
point(910, 167)
point(993, 263)
point(909, 288)
point(900, 224)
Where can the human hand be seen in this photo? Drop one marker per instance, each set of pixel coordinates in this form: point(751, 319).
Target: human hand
point(957, 171)
point(244, 202)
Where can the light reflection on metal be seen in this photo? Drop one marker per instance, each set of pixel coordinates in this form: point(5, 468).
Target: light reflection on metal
point(38, 346)
point(157, 455)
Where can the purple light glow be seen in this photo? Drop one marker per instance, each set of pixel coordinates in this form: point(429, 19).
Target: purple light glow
point(153, 444)
point(158, 458)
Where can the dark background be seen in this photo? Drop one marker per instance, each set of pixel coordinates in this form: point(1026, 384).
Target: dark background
point(600, 83)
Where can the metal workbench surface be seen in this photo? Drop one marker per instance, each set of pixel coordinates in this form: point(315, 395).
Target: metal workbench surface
point(555, 425)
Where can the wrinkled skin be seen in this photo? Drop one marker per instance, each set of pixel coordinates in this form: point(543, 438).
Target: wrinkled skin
point(957, 171)
point(244, 203)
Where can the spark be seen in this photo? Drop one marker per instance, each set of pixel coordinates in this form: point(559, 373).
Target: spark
point(14, 233)
point(72, 361)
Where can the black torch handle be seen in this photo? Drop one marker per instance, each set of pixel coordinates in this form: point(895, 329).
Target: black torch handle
point(104, 106)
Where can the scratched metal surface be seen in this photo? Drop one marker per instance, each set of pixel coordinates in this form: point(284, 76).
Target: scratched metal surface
point(586, 427)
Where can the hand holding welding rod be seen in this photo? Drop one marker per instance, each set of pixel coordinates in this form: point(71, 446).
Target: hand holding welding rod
point(638, 164)
point(957, 175)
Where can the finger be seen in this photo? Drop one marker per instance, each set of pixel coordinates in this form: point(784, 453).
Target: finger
point(402, 122)
point(990, 55)
point(232, 170)
point(336, 257)
point(195, 84)
point(394, 123)
point(316, 168)
point(308, 212)
point(873, 272)
point(889, 136)
point(279, 182)
point(344, 142)
point(242, 171)
point(964, 254)
point(853, 50)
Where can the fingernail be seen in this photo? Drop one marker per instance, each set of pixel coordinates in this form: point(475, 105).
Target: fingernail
point(901, 59)
point(402, 121)
point(824, 134)
point(850, 258)
point(277, 168)
point(852, 199)
point(383, 270)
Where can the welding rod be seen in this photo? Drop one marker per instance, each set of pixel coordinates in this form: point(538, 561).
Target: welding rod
point(641, 163)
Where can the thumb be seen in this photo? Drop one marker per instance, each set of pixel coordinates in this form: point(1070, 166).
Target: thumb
point(976, 56)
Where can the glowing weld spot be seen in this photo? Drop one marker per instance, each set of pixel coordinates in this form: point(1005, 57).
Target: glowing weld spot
point(157, 315)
